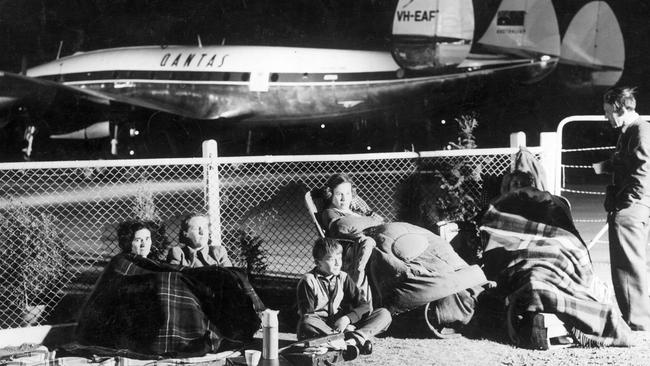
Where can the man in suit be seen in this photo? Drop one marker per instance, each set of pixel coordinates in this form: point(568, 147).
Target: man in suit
point(628, 205)
point(195, 249)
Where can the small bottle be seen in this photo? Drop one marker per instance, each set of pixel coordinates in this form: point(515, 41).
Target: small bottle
point(270, 334)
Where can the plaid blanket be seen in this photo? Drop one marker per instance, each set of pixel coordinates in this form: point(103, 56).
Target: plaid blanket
point(544, 268)
point(142, 308)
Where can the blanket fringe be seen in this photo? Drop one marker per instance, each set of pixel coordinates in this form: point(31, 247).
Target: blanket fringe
point(588, 340)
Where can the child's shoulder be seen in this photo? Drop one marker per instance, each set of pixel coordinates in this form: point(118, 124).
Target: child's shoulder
point(310, 277)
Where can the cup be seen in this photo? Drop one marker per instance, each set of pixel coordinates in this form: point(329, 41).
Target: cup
point(252, 357)
point(600, 167)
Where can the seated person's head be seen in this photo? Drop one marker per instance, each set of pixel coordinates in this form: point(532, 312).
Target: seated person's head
point(516, 180)
point(328, 255)
point(339, 191)
point(194, 231)
point(134, 237)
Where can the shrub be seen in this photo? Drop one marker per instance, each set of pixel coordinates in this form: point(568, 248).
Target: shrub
point(33, 257)
point(250, 244)
point(250, 249)
point(442, 192)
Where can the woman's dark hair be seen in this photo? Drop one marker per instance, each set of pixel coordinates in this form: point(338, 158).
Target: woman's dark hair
point(126, 232)
point(523, 179)
point(339, 178)
point(185, 224)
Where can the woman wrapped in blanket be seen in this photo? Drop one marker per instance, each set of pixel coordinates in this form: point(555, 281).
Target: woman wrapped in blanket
point(339, 194)
point(142, 307)
point(541, 265)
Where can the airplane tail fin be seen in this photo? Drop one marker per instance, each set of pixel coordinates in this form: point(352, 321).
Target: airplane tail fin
point(595, 45)
point(432, 34)
point(524, 29)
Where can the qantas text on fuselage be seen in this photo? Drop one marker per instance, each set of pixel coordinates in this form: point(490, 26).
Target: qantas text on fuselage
point(193, 59)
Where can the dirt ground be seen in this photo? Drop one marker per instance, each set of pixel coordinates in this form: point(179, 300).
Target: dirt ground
point(408, 343)
point(397, 351)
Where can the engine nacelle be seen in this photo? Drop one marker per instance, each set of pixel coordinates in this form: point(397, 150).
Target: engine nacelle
point(428, 35)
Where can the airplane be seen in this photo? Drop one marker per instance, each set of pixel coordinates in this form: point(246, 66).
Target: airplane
point(442, 51)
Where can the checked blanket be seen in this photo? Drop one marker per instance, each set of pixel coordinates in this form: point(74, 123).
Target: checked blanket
point(143, 308)
point(543, 268)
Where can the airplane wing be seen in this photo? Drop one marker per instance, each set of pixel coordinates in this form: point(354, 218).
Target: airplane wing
point(41, 94)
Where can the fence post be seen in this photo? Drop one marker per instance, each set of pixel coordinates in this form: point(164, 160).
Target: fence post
point(518, 139)
point(211, 192)
point(550, 160)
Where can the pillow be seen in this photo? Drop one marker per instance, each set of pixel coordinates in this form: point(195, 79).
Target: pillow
point(403, 240)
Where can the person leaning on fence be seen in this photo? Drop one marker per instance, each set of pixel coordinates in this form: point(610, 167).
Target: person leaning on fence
point(628, 205)
point(330, 302)
point(339, 193)
point(195, 249)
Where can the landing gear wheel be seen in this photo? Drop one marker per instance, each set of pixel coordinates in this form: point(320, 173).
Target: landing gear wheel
point(437, 330)
point(350, 353)
point(30, 131)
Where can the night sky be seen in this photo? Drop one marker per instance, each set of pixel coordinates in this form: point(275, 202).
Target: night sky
point(33, 30)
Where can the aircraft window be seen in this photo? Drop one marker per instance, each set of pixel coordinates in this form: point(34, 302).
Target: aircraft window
point(115, 74)
point(152, 75)
point(226, 76)
point(245, 76)
point(275, 76)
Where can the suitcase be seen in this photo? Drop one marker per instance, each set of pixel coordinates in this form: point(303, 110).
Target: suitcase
point(320, 351)
point(328, 358)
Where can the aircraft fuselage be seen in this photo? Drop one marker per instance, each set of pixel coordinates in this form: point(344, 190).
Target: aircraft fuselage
point(256, 82)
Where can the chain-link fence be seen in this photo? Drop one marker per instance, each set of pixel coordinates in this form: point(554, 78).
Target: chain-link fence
point(58, 224)
point(59, 219)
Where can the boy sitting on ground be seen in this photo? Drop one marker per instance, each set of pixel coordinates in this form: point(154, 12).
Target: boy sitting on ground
point(329, 301)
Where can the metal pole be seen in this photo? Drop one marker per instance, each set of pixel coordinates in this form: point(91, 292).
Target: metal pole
point(597, 237)
point(549, 143)
point(211, 184)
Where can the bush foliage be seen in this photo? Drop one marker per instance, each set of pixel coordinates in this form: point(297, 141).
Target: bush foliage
point(33, 256)
point(445, 194)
